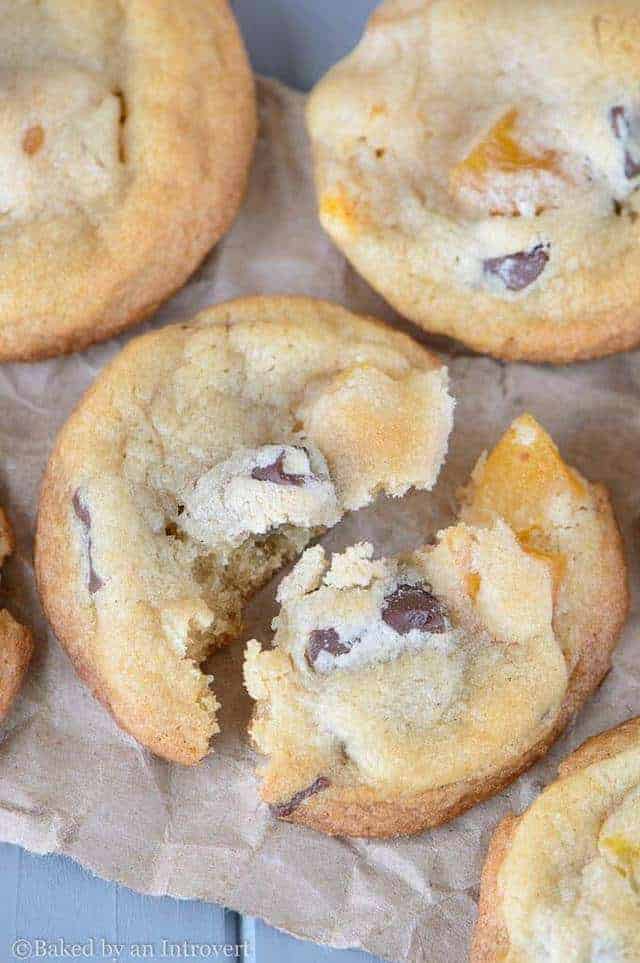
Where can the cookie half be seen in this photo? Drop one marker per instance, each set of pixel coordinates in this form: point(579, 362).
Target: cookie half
point(478, 163)
point(561, 882)
point(204, 457)
point(16, 642)
point(399, 692)
point(127, 132)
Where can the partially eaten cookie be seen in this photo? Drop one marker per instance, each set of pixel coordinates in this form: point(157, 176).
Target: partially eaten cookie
point(401, 691)
point(203, 459)
point(16, 641)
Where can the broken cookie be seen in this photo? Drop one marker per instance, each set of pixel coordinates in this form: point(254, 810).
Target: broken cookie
point(205, 457)
point(399, 692)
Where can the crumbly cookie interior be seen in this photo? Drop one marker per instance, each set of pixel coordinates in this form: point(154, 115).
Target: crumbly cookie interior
point(223, 452)
point(62, 109)
point(236, 525)
point(570, 880)
point(398, 676)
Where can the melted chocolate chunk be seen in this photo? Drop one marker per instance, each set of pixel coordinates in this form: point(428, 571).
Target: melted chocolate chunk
point(324, 640)
point(519, 270)
point(285, 809)
point(621, 128)
point(275, 473)
point(619, 122)
point(631, 167)
point(83, 515)
point(413, 607)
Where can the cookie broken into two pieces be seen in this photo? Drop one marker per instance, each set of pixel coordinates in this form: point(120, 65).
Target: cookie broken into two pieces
point(401, 691)
point(398, 691)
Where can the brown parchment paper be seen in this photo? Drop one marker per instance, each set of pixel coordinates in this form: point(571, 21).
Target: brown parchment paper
point(72, 783)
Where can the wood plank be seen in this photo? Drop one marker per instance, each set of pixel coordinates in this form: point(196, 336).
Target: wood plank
point(58, 899)
point(52, 898)
point(271, 946)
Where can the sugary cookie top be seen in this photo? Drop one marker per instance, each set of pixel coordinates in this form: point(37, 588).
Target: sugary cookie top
point(205, 457)
point(481, 153)
point(126, 134)
point(61, 109)
point(570, 881)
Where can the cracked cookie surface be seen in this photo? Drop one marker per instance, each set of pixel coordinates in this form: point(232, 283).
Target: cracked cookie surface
point(493, 200)
point(127, 130)
point(205, 457)
point(401, 691)
point(16, 642)
point(562, 881)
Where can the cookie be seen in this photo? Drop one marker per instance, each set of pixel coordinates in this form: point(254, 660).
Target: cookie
point(401, 691)
point(16, 642)
point(561, 881)
point(478, 163)
point(204, 457)
point(127, 132)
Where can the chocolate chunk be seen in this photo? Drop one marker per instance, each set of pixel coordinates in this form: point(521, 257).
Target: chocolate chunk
point(631, 167)
point(83, 515)
point(285, 809)
point(275, 473)
point(621, 128)
point(413, 607)
point(619, 122)
point(519, 270)
point(324, 640)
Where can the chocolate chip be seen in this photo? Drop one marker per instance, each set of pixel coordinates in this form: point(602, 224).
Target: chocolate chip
point(283, 810)
point(324, 640)
point(519, 270)
point(413, 607)
point(275, 473)
point(621, 127)
point(84, 516)
point(631, 167)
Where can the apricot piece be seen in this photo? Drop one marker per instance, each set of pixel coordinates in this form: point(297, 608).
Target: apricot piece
point(531, 540)
point(519, 480)
point(338, 206)
point(33, 140)
point(473, 582)
point(499, 153)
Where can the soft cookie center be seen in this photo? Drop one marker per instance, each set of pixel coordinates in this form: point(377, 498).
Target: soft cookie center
point(257, 491)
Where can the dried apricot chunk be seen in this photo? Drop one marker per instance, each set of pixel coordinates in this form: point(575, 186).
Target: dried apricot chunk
point(520, 478)
point(499, 153)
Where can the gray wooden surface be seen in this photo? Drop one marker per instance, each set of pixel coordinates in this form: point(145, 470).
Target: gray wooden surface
point(48, 904)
